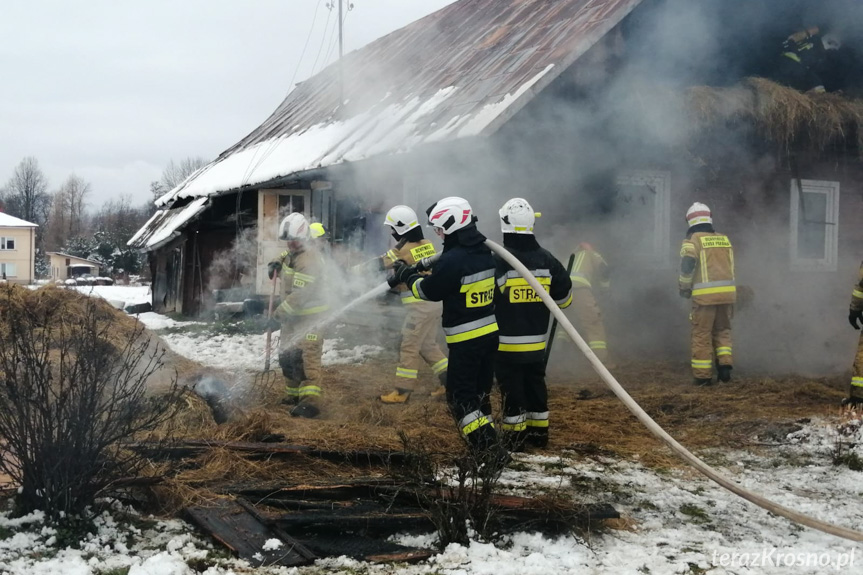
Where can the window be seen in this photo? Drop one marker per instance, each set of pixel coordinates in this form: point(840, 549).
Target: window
point(642, 210)
point(7, 243)
point(7, 270)
point(814, 225)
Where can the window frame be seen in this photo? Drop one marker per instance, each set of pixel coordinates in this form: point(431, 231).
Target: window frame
point(660, 182)
point(4, 268)
point(4, 243)
point(831, 229)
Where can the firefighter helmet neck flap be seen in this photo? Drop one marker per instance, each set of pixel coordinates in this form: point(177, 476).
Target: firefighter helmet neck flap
point(401, 219)
point(517, 217)
point(294, 227)
point(451, 214)
point(698, 213)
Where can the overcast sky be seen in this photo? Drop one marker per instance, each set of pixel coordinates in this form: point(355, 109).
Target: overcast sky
point(112, 90)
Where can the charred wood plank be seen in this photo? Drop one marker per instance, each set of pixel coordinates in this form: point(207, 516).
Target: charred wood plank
point(414, 556)
point(245, 534)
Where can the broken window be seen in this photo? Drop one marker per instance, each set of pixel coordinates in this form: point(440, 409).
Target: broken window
point(814, 225)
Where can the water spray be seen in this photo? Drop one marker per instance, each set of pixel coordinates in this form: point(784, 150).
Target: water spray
point(652, 426)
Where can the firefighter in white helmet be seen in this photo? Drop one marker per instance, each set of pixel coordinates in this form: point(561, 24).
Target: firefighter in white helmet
point(463, 279)
point(300, 270)
point(707, 277)
point(420, 327)
point(523, 322)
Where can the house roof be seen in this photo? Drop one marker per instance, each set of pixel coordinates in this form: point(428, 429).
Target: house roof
point(62, 255)
point(460, 72)
point(7, 221)
point(165, 224)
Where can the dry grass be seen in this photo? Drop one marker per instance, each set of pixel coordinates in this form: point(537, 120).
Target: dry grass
point(780, 114)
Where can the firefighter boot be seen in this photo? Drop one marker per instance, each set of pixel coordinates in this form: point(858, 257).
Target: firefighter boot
point(398, 395)
point(704, 382)
point(441, 390)
point(724, 373)
point(306, 408)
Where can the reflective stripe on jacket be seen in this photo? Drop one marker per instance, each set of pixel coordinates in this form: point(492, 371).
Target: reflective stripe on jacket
point(712, 279)
point(521, 315)
point(410, 252)
point(589, 269)
point(301, 288)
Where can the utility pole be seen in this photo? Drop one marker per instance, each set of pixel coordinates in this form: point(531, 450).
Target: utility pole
point(341, 53)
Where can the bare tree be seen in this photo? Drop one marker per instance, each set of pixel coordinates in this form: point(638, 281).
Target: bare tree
point(75, 190)
point(174, 174)
point(25, 193)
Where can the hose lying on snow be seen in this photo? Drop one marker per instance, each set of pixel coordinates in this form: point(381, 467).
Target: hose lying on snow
point(651, 425)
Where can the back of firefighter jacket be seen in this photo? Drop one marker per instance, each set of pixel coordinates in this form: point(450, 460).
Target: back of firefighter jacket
point(410, 252)
point(589, 270)
point(463, 279)
point(521, 316)
point(712, 278)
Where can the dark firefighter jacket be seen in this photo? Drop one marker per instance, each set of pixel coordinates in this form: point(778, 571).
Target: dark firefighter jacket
point(521, 316)
point(463, 279)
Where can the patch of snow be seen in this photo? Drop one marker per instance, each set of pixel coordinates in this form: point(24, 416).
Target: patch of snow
point(335, 354)
point(272, 544)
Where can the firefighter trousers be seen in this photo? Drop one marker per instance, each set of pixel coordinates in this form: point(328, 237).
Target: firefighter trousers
point(419, 343)
point(589, 321)
point(300, 359)
point(711, 334)
point(857, 372)
point(525, 400)
point(468, 389)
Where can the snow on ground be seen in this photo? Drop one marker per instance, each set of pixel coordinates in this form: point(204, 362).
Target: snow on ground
point(680, 523)
point(129, 295)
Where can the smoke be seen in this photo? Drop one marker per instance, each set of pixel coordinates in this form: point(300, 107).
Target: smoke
point(608, 155)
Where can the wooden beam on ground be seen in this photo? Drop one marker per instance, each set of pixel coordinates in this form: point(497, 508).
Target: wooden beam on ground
point(242, 532)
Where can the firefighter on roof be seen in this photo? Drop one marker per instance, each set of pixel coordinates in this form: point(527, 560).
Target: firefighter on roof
point(803, 62)
point(463, 280)
point(420, 327)
point(523, 322)
point(707, 277)
point(300, 270)
point(855, 316)
point(589, 272)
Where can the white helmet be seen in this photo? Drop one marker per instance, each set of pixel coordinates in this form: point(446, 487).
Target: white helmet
point(698, 213)
point(450, 214)
point(517, 217)
point(831, 41)
point(294, 227)
point(401, 219)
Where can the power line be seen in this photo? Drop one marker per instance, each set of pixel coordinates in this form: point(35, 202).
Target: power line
point(323, 38)
point(306, 45)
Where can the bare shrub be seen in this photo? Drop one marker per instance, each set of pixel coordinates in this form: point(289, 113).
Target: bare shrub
point(73, 385)
point(456, 492)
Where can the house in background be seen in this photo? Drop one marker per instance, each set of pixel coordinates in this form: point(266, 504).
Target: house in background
point(63, 266)
point(610, 116)
point(17, 249)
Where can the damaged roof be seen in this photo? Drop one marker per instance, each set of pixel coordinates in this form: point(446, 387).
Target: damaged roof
point(462, 71)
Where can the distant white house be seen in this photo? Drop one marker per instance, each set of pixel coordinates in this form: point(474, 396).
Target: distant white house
point(17, 249)
point(65, 266)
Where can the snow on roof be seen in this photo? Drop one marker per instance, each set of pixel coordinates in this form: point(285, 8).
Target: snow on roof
point(62, 255)
point(460, 72)
point(165, 224)
point(7, 221)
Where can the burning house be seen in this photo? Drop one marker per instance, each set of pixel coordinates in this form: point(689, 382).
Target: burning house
point(610, 116)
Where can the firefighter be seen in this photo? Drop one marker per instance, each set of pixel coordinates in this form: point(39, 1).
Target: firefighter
point(855, 315)
point(300, 270)
point(589, 272)
point(707, 277)
point(803, 62)
point(523, 322)
point(463, 280)
point(420, 327)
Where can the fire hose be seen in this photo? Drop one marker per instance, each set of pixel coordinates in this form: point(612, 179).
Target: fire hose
point(652, 426)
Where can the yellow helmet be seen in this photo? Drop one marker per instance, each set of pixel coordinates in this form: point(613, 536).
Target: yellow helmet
point(316, 230)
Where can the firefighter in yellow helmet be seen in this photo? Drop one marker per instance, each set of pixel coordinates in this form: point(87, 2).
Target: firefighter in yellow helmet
point(422, 320)
point(589, 272)
point(707, 277)
point(300, 270)
point(855, 316)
